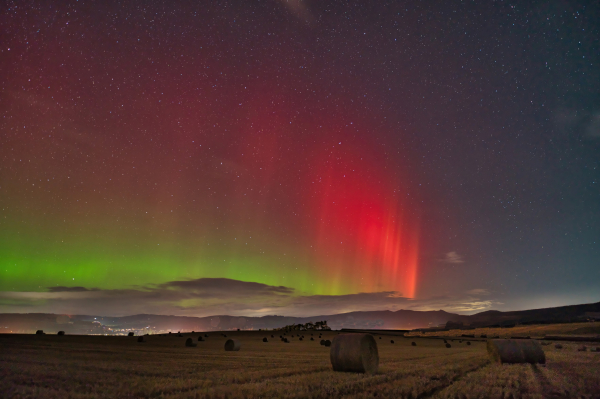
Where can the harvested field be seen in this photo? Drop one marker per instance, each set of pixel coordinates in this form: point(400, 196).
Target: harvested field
point(50, 366)
point(534, 331)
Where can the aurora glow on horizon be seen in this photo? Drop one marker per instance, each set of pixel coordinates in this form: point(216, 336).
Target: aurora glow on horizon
point(324, 150)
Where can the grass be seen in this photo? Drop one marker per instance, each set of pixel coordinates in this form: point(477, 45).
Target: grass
point(50, 366)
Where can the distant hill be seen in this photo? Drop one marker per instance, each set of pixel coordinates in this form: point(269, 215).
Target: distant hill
point(401, 319)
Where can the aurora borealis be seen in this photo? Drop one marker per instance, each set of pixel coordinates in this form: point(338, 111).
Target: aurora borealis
point(409, 155)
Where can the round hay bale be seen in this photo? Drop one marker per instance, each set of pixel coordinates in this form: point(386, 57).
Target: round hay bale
point(39, 332)
point(558, 346)
point(582, 348)
point(205, 335)
point(379, 337)
point(189, 343)
point(300, 338)
point(354, 352)
point(140, 339)
point(392, 341)
point(445, 341)
point(61, 333)
point(448, 345)
point(130, 334)
point(468, 342)
point(413, 343)
point(200, 339)
point(312, 339)
point(512, 351)
point(272, 336)
point(265, 339)
point(233, 345)
point(327, 343)
point(180, 335)
point(322, 342)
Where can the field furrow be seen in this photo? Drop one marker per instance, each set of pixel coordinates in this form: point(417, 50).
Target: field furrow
point(162, 367)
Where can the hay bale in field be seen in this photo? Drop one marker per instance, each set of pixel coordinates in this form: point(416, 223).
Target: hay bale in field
point(327, 343)
point(130, 334)
point(468, 342)
point(483, 336)
point(140, 339)
point(265, 339)
point(379, 337)
point(392, 341)
point(558, 346)
point(448, 345)
point(582, 348)
point(189, 343)
point(300, 338)
point(60, 333)
point(413, 343)
point(205, 335)
point(355, 353)
point(272, 336)
point(193, 332)
point(322, 342)
point(515, 351)
point(445, 341)
point(180, 335)
point(233, 345)
point(39, 332)
point(200, 339)
point(312, 339)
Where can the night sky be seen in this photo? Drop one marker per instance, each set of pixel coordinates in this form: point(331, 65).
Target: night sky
point(298, 157)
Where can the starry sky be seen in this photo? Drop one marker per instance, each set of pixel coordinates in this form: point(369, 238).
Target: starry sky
point(298, 157)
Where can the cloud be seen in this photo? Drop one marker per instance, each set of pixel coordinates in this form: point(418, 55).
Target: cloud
point(479, 291)
point(578, 122)
point(68, 289)
point(206, 287)
point(221, 296)
point(298, 8)
point(452, 257)
point(592, 130)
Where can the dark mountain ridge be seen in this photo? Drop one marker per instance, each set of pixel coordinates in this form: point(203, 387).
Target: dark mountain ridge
point(401, 319)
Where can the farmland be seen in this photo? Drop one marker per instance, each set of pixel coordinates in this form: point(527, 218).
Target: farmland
point(50, 366)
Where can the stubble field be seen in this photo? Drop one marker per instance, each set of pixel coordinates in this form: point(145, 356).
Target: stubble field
point(51, 366)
